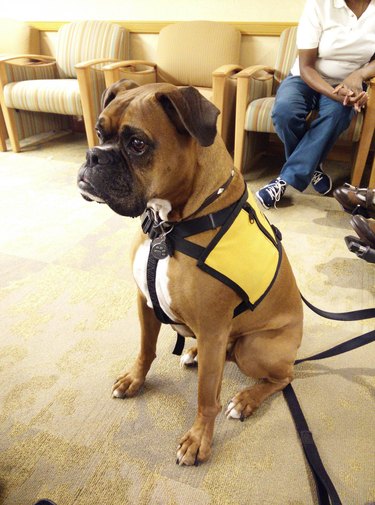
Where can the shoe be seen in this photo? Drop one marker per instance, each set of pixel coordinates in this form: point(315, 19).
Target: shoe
point(352, 199)
point(321, 182)
point(272, 193)
point(364, 228)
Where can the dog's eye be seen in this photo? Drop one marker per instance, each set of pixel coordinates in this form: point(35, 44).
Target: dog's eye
point(137, 145)
point(99, 134)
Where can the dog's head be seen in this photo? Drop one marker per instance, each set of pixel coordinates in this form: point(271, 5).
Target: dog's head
point(148, 138)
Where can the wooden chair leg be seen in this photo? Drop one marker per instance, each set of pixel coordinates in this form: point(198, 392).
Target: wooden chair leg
point(83, 75)
point(372, 175)
point(363, 147)
point(9, 114)
point(3, 133)
point(239, 131)
point(11, 125)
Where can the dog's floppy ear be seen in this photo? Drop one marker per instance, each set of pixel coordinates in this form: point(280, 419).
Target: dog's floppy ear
point(191, 113)
point(110, 93)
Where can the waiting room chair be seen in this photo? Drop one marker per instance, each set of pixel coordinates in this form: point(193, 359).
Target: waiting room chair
point(256, 89)
point(54, 86)
point(16, 37)
point(203, 54)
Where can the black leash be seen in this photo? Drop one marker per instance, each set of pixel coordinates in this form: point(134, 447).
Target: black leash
point(355, 315)
point(327, 494)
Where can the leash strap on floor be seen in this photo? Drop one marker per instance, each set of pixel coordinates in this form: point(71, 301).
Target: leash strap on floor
point(355, 315)
point(327, 494)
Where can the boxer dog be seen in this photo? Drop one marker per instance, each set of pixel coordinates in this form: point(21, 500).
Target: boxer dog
point(158, 150)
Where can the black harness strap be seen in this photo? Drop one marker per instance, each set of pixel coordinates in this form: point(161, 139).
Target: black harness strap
point(179, 345)
point(152, 264)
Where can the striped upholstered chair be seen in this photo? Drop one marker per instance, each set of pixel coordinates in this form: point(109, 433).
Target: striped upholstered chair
point(256, 89)
point(46, 86)
point(16, 37)
point(203, 54)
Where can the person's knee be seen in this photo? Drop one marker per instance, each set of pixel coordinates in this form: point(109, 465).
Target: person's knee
point(282, 112)
point(285, 117)
point(338, 115)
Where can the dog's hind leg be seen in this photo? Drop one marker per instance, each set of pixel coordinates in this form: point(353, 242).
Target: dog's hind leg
point(190, 357)
point(129, 382)
point(268, 356)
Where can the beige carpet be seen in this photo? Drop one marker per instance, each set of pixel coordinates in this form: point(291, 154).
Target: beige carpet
point(69, 325)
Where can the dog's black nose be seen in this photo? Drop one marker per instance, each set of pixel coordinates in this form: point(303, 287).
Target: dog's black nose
point(101, 156)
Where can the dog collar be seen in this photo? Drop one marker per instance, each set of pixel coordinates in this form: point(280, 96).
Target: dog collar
point(154, 226)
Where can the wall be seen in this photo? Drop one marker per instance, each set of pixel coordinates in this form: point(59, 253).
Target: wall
point(255, 49)
point(220, 10)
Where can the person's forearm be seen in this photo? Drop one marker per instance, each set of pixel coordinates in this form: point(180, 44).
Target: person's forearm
point(313, 79)
point(368, 71)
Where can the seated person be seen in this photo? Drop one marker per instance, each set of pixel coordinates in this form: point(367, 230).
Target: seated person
point(336, 45)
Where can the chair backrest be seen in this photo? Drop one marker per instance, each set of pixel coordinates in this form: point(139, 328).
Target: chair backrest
point(18, 38)
point(286, 54)
point(87, 40)
point(188, 52)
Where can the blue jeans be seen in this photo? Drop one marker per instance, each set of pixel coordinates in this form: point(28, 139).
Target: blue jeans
point(305, 148)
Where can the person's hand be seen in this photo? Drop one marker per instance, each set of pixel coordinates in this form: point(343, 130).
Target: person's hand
point(354, 81)
point(352, 98)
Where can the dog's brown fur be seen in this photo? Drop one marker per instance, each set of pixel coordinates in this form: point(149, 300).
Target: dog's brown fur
point(180, 169)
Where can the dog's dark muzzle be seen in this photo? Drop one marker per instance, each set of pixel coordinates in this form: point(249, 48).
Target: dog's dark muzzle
point(102, 156)
point(97, 160)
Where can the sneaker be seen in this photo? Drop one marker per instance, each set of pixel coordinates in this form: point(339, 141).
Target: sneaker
point(321, 182)
point(272, 193)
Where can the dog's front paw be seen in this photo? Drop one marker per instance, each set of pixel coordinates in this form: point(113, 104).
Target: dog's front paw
point(127, 385)
point(195, 445)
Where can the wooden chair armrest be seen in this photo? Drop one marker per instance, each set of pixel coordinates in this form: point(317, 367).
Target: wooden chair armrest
point(28, 67)
point(248, 72)
point(127, 69)
point(129, 63)
point(36, 59)
point(93, 63)
point(226, 70)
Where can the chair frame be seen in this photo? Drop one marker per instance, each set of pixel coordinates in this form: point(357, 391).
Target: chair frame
point(33, 60)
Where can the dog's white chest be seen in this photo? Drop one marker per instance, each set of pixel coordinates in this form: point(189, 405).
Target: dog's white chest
point(161, 282)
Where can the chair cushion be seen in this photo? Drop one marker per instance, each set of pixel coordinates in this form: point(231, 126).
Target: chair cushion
point(88, 40)
point(60, 96)
point(188, 52)
point(258, 119)
point(258, 115)
point(206, 92)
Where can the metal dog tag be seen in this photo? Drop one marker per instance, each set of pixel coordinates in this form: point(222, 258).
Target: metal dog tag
point(159, 248)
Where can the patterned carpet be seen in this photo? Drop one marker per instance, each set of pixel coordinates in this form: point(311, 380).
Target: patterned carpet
point(69, 325)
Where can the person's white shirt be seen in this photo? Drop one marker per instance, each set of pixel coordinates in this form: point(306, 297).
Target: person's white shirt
point(344, 42)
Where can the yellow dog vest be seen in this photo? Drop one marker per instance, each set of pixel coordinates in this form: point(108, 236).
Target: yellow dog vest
point(245, 254)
